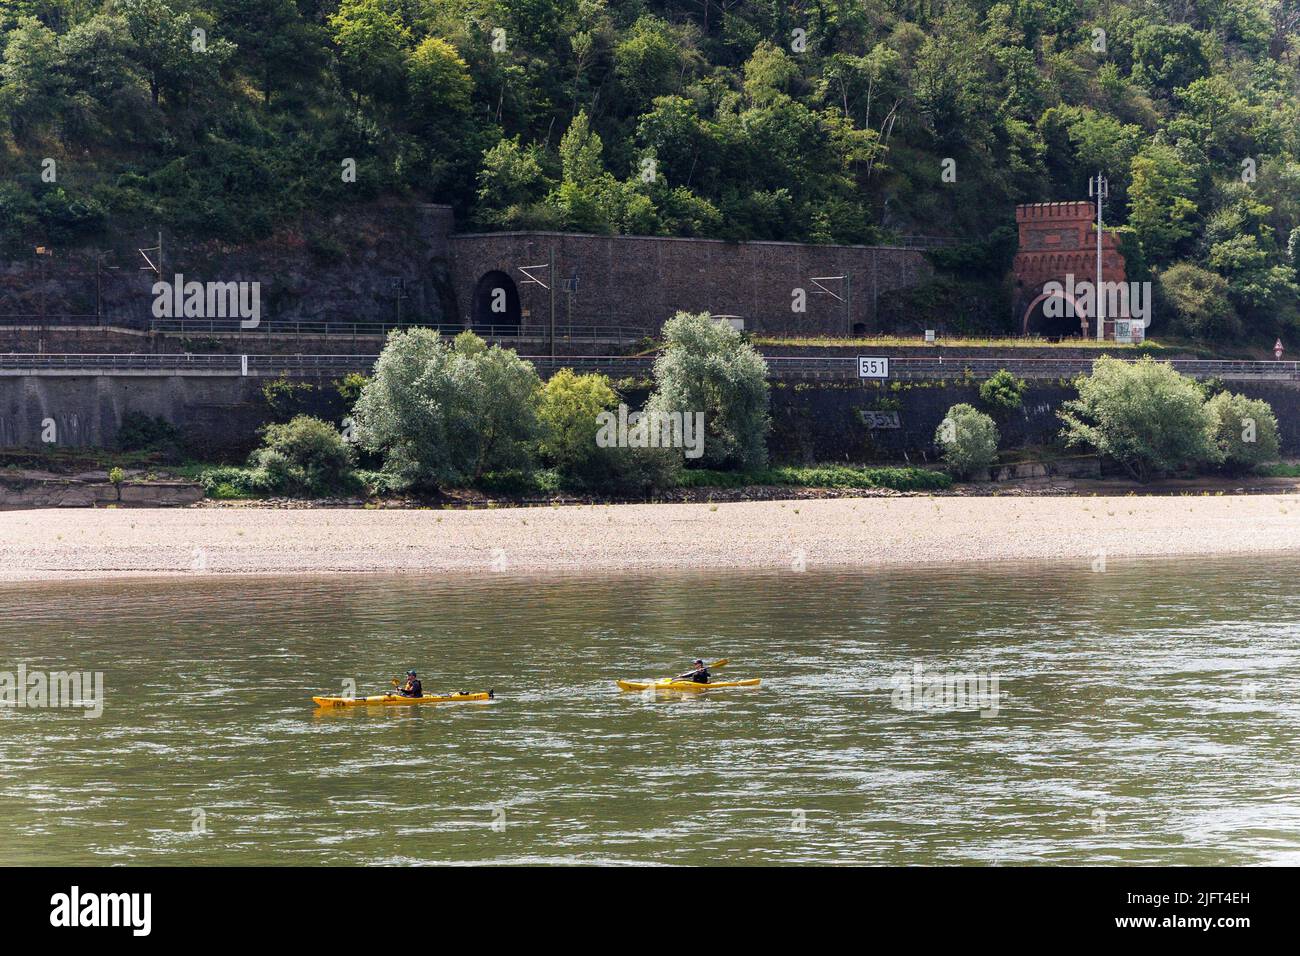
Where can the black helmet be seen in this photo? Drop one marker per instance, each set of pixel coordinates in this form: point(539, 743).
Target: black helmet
point(410, 673)
point(698, 661)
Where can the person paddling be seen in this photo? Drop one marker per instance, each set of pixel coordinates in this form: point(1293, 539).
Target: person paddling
point(699, 674)
point(412, 687)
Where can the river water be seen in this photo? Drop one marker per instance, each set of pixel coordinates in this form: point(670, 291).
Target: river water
point(1145, 714)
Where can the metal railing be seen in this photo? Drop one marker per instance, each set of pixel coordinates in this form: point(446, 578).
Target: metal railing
point(926, 242)
point(47, 319)
point(187, 363)
point(332, 328)
point(780, 366)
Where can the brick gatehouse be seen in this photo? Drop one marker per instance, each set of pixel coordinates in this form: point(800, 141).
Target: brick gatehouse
point(1059, 240)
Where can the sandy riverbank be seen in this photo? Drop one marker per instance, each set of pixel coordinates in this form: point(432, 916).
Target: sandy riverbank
point(846, 532)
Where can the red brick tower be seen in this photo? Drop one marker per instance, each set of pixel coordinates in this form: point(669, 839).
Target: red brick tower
point(1058, 239)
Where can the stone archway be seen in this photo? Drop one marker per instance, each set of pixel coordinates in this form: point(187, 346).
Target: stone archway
point(1037, 322)
point(496, 303)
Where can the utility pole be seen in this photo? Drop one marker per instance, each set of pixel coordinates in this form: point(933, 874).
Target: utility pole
point(400, 285)
point(847, 298)
point(552, 292)
point(150, 265)
point(848, 303)
point(1099, 188)
point(42, 252)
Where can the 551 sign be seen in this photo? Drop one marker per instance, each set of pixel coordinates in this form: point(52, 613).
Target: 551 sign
point(873, 367)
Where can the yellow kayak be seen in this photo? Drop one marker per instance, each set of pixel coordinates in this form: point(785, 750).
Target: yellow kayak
point(399, 699)
point(690, 686)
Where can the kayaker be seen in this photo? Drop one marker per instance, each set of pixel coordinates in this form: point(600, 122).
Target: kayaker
point(699, 674)
point(412, 687)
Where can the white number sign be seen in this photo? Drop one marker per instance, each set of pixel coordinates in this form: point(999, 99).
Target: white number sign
point(869, 367)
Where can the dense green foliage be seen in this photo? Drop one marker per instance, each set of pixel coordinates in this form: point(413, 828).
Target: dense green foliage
point(225, 482)
point(821, 122)
point(304, 456)
point(707, 366)
point(968, 440)
point(820, 476)
point(1245, 430)
point(1144, 415)
point(141, 432)
point(1003, 391)
point(456, 414)
point(568, 411)
point(447, 413)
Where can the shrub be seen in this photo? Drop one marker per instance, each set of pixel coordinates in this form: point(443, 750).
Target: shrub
point(1144, 415)
point(286, 398)
point(1200, 301)
point(820, 476)
point(227, 482)
point(642, 471)
point(969, 440)
point(543, 482)
point(447, 414)
point(707, 366)
point(115, 478)
point(305, 456)
point(349, 387)
point(1003, 392)
point(1245, 430)
point(567, 413)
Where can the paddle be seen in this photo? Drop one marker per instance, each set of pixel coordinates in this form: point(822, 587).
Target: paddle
point(396, 683)
point(458, 693)
point(716, 664)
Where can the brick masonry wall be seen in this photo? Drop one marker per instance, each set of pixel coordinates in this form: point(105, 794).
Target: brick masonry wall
point(640, 282)
point(347, 268)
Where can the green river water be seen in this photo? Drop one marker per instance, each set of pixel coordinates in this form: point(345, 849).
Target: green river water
point(1147, 714)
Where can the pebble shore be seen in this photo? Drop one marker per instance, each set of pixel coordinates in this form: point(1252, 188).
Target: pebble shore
point(843, 532)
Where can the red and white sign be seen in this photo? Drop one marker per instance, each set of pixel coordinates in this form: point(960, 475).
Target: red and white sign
point(1277, 349)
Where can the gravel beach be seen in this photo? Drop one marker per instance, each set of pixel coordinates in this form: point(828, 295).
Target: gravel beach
point(45, 544)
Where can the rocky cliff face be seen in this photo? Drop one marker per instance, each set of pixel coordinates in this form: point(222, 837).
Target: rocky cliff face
point(374, 263)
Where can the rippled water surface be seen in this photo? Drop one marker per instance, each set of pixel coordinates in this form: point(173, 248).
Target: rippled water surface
point(1149, 714)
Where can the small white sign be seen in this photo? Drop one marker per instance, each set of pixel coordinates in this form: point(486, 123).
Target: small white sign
point(1123, 332)
point(929, 335)
point(873, 367)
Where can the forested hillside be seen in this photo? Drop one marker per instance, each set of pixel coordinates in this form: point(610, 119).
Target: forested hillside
point(815, 121)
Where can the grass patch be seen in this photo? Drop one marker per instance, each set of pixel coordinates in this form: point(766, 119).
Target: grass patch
point(912, 341)
point(1281, 469)
point(543, 482)
point(820, 476)
point(229, 483)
